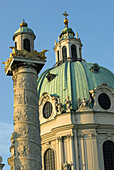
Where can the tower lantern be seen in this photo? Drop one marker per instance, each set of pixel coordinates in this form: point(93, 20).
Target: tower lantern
point(68, 48)
point(24, 38)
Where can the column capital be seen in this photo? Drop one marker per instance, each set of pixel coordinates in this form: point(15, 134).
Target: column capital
point(18, 61)
point(59, 138)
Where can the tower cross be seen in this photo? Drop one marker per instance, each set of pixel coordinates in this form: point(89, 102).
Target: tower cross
point(65, 14)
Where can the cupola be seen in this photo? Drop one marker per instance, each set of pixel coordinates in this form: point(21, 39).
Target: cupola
point(68, 47)
point(24, 38)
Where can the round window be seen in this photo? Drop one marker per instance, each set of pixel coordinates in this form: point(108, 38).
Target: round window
point(104, 101)
point(47, 110)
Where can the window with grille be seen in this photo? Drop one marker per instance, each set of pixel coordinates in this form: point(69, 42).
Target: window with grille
point(47, 110)
point(27, 45)
point(49, 160)
point(64, 53)
point(104, 101)
point(74, 52)
point(108, 153)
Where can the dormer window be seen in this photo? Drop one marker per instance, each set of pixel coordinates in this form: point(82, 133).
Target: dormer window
point(64, 53)
point(74, 52)
point(95, 68)
point(27, 45)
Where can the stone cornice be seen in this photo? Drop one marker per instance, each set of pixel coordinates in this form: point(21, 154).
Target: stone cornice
point(67, 40)
point(53, 134)
point(17, 61)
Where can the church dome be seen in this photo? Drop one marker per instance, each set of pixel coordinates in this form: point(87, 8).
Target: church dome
point(24, 29)
point(67, 29)
point(73, 79)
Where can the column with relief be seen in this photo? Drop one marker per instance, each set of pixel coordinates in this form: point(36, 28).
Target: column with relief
point(26, 147)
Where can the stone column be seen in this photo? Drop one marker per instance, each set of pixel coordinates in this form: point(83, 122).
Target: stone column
point(26, 125)
point(26, 145)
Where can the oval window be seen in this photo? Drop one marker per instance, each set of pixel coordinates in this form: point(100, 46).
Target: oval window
point(104, 101)
point(47, 110)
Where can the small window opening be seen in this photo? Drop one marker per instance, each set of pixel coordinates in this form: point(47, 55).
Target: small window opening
point(16, 45)
point(27, 45)
point(58, 55)
point(74, 52)
point(80, 52)
point(64, 53)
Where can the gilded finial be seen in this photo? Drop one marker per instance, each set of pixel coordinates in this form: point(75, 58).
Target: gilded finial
point(23, 24)
point(65, 20)
point(76, 34)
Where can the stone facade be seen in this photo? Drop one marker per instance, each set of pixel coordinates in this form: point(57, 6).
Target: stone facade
point(77, 137)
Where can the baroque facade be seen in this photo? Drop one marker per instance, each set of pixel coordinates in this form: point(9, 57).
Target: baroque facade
point(71, 106)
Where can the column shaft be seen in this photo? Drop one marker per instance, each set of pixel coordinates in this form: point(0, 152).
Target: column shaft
point(27, 150)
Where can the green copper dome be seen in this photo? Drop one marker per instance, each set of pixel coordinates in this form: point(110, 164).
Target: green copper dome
point(74, 79)
point(69, 30)
point(24, 29)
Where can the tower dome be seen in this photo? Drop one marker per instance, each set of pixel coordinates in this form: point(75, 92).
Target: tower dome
point(67, 30)
point(24, 29)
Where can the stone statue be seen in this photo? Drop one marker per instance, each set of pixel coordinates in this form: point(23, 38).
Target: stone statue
point(83, 103)
point(24, 53)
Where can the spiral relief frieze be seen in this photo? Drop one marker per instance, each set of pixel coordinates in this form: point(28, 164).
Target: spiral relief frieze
point(26, 134)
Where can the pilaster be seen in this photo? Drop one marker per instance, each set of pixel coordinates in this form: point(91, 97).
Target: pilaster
point(88, 151)
point(60, 152)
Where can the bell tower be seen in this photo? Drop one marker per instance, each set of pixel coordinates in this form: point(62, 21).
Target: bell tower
point(68, 48)
point(23, 65)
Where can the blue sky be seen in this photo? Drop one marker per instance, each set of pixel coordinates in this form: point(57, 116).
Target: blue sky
point(93, 20)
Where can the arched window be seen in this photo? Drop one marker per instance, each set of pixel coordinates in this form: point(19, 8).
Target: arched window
point(64, 53)
point(49, 160)
point(108, 153)
point(58, 55)
point(74, 52)
point(15, 44)
point(27, 45)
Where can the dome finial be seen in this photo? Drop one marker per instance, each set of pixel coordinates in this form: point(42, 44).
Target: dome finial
point(23, 24)
point(65, 20)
